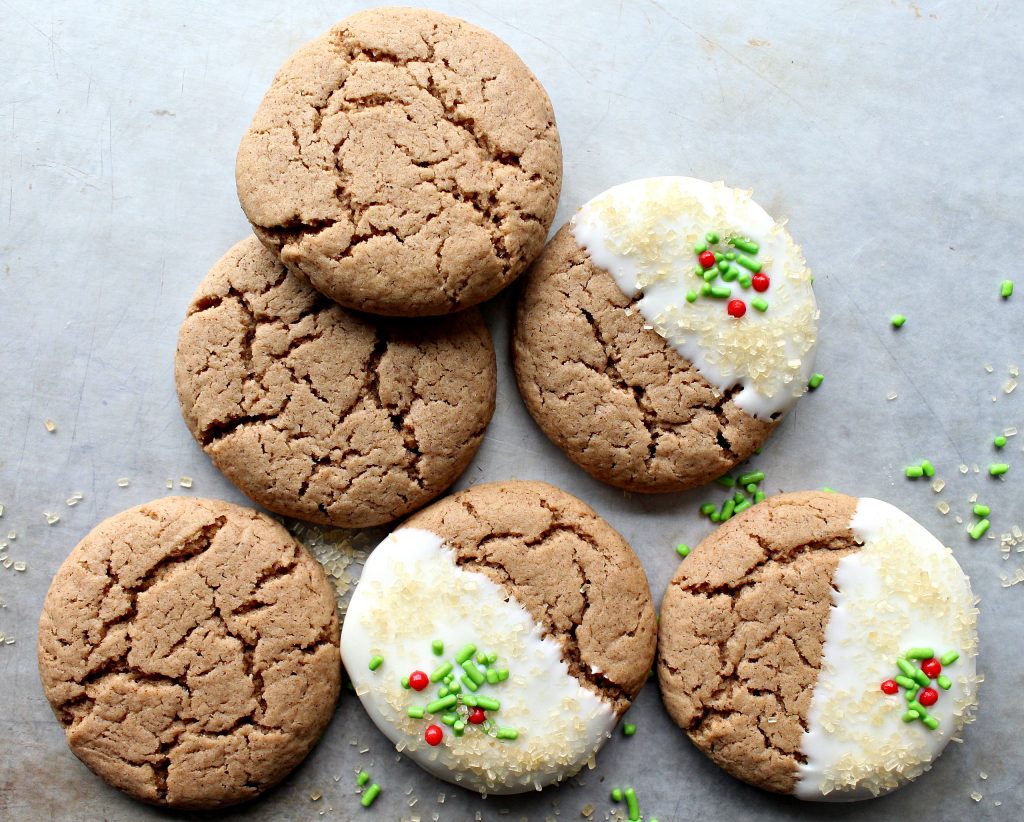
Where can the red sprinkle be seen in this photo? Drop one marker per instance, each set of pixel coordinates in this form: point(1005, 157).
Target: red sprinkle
point(418, 680)
point(737, 308)
point(706, 259)
point(928, 696)
point(433, 734)
point(932, 667)
point(477, 715)
point(890, 687)
point(760, 282)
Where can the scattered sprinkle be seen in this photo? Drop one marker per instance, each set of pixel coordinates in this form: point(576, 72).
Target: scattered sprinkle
point(815, 381)
point(981, 510)
point(437, 646)
point(999, 441)
point(616, 794)
point(997, 469)
point(50, 425)
point(898, 320)
point(362, 778)
point(376, 662)
point(629, 729)
point(370, 795)
point(683, 550)
point(1006, 288)
point(979, 529)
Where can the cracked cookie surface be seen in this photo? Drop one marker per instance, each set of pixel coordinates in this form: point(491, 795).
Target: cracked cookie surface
point(189, 649)
point(615, 396)
point(405, 163)
point(742, 628)
point(323, 414)
point(575, 575)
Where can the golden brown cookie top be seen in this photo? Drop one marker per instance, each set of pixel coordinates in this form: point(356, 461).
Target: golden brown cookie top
point(406, 163)
point(321, 413)
point(189, 649)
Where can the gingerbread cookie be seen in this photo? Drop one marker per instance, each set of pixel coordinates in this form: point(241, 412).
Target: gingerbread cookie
point(544, 633)
point(663, 333)
point(405, 163)
point(189, 649)
point(820, 645)
point(323, 414)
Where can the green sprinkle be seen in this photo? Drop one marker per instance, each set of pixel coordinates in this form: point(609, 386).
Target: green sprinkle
point(911, 694)
point(752, 476)
point(721, 291)
point(715, 516)
point(981, 510)
point(828, 490)
point(711, 237)
point(443, 692)
point(632, 805)
point(492, 676)
point(705, 290)
point(726, 481)
point(441, 704)
point(449, 719)
point(751, 488)
point(441, 671)
point(708, 508)
point(691, 296)
point(469, 683)
point(454, 687)
point(917, 706)
point(930, 722)
point(905, 666)
point(815, 381)
point(731, 274)
point(710, 275)
point(738, 497)
point(759, 497)
point(910, 716)
point(488, 704)
point(464, 654)
point(743, 506)
point(944, 682)
point(979, 529)
point(469, 699)
point(683, 549)
point(405, 682)
point(949, 657)
point(370, 795)
point(898, 320)
point(376, 662)
point(438, 647)
point(727, 509)
point(1005, 288)
point(415, 711)
point(730, 255)
point(744, 244)
point(362, 778)
point(905, 681)
point(628, 729)
point(749, 264)
point(700, 248)
point(997, 469)
point(723, 265)
point(507, 733)
point(746, 280)
point(616, 794)
point(502, 674)
point(760, 304)
point(914, 471)
point(922, 679)
point(459, 727)
point(473, 672)
point(928, 468)
point(999, 441)
point(920, 653)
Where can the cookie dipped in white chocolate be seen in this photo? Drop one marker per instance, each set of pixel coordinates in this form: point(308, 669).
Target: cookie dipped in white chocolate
point(411, 593)
point(647, 233)
point(901, 591)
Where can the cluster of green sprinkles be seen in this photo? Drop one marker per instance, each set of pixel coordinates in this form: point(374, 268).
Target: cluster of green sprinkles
point(923, 469)
point(978, 530)
point(916, 682)
point(731, 259)
point(632, 803)
point(370, 793)
point(746, 496)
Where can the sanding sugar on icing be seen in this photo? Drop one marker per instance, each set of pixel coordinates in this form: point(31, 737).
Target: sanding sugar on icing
point(902, 590)
point(412, 592)
point(645, 232)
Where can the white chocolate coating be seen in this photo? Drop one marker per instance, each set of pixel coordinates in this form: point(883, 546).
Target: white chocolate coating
point(412, 592)
point(643, 233)
point(902, 590)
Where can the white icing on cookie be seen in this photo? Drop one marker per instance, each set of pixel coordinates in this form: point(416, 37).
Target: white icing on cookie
point(412, 592)
point(902, 590)
point(643, 233)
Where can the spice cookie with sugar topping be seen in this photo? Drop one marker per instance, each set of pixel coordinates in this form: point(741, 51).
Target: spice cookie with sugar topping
point(497, 636)
point(405, 163)
point(189, 649)
point(323, 414)
point(820, 645)
point(664, 331)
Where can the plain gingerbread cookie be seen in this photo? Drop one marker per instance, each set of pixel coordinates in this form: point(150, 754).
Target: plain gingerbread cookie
point(642, 379)
point(406, 163)
point(787, 635)
point(323, 414)
point(189, 649)
point(546, 632)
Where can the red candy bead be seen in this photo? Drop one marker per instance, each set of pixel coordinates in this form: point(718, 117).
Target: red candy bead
point(418, 680)
point(760, 282)
point(737, 308)
point(928, 696)
point(890, 687)
point(932, 667)
point(433, 735)
point(477, 715)
point(706, 259)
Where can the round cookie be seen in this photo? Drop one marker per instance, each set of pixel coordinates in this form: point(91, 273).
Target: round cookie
point(641, 378)
point(406, 163)
point(547, 627)
point(189, 649)
point(820, 645)
point(321, 413)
